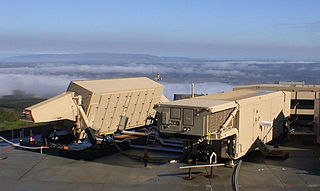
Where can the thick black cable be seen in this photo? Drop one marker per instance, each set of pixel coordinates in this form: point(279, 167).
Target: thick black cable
point(235, 176)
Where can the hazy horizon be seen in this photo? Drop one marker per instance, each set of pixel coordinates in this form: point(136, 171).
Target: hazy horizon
point(18, 54)
point(49, 75)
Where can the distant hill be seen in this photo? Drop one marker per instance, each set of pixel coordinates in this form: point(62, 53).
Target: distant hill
point(95, 57)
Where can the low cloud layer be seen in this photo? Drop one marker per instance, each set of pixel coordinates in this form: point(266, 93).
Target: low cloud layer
point(49, 79)
point(48, 86)
point(143, 68)
point(37, 85)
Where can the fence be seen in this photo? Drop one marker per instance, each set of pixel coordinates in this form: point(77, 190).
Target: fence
point(24, 132)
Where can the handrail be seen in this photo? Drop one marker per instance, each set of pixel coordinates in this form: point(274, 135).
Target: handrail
point(201, 166)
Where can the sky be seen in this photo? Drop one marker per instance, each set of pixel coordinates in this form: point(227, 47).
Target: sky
point(263, 29)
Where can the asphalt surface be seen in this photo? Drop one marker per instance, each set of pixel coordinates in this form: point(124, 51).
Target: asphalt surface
point(301, 171)
point(25, 170)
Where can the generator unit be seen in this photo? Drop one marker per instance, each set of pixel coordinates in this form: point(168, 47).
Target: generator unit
point(101, 106)
point(229, 124)
point(302, 103)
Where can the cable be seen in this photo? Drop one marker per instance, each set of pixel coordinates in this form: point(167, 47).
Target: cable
point(20, 146)
point(235, 176)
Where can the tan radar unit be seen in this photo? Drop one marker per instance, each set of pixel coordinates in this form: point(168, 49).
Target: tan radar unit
point(228, 123)
point(302, 103)
point(302, 96)
point(102, 105)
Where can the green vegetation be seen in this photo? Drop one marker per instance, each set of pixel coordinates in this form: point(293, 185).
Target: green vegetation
point(8, 125)
point(9, 115)
point(10, 119)
point(18, 101)
point(11, 107)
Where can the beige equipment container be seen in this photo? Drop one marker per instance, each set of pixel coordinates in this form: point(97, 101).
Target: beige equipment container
point(228, 122)
point(102, 105)
point(317, 120)
point(302, 102)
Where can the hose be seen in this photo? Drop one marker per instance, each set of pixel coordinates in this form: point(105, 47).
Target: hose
point(20, 146)
point(235, 176)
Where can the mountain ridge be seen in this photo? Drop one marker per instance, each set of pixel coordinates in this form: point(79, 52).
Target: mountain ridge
point(99, 56)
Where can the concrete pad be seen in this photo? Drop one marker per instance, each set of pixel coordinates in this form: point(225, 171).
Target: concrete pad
point(301, 171)
point(50, 186)
point(25, 170)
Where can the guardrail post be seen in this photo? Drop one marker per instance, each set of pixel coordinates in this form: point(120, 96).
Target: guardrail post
point(12, 135)
point(189, 177)
point(21, 134)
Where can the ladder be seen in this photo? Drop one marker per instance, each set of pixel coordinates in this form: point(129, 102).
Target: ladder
point(152, 137)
